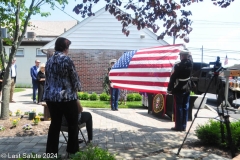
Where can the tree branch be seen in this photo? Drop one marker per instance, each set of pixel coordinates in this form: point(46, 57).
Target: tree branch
point(26, 22)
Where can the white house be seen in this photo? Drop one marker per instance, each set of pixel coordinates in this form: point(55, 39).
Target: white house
point(38, 34)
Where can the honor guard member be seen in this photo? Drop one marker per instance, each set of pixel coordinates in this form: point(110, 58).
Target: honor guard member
point(179, 86)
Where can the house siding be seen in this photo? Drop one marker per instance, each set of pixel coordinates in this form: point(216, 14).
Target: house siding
point(24, 63)
point(103, 31)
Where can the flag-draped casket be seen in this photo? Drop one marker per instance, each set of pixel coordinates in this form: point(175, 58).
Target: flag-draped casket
point(145, 70)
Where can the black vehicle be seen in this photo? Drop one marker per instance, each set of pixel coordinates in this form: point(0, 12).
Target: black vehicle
point(202, 77)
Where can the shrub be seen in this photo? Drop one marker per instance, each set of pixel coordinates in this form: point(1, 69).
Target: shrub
point(103, 97)
point(210, 133)
point(137, 97)
point(93, 96)
point(92, 153)
point(84, 96)
point(130, 97)
point(79, 94)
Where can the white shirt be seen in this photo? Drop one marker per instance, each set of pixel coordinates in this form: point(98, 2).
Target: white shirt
point(13, 71)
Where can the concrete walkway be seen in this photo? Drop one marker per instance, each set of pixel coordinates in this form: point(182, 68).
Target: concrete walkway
point(128, 133)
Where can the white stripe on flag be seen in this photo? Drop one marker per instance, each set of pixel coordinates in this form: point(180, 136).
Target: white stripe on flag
point(155, 70)
point(153, 62)
point(156, 55)
point(156, 88)
point(143, 79)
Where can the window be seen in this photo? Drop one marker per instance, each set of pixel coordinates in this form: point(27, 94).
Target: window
point(40, 53)
point(19, 53)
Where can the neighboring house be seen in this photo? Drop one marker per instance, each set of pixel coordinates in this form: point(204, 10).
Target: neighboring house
point(38, 34)
point(98, 39)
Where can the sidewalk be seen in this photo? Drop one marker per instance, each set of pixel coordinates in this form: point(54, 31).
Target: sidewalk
point(129, 133)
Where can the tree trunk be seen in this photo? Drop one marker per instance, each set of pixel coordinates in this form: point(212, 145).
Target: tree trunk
point(5, 95)
point(7, 77)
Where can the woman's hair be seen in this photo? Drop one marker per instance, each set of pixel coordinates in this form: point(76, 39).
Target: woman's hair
point(42, 66)
point(62, 44)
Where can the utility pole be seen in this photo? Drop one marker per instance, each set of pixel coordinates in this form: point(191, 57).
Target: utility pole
point(174, 38)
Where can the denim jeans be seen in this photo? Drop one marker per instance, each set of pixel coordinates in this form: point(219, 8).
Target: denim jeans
point(35, 87)
point(114, 98)
point(181, 110)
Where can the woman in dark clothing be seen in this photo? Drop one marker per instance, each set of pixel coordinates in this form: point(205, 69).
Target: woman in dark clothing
point(41, 81)
point(60, 93)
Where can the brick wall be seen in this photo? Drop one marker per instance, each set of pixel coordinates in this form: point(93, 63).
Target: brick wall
point(91, 66)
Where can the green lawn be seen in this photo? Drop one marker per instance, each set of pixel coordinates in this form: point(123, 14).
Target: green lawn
point(106, 104)
point(19, 89)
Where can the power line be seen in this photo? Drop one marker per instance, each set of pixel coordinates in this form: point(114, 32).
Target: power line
point(66, 13)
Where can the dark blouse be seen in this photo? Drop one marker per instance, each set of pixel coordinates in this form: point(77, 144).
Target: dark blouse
point(62, 81)
point(39, 76)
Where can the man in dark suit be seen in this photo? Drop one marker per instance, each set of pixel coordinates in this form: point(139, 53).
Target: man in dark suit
point(34, 71)
point(13, 79)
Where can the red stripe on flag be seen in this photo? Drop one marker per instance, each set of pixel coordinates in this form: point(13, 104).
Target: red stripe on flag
point(141, 74)
point(142, 83)
point(140, 90)
point(157, 51)
point(154, 58)
point(150, 65)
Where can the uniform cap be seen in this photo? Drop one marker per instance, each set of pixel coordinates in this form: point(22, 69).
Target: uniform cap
point(184, 52)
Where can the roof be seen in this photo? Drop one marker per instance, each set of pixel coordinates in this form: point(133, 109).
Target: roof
point(103, 31)
point(50, 28)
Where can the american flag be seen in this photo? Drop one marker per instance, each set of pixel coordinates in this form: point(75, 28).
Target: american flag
point(226, 60)
point(145, 70)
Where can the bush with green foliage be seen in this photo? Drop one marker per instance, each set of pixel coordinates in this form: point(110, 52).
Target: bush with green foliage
point(93, 153)
point(210, 133)
point(130, 97)
point(134, 97)
point(79, 94)
point(103, 96)
point(84, 96)
point(93, 96)
point(137, 97)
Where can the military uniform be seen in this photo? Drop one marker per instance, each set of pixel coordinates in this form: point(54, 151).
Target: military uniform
point(179, 86)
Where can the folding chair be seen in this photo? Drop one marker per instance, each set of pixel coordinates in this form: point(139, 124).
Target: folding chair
point(65, 129)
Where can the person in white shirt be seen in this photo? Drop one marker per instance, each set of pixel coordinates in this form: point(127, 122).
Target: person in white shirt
point(13, 79)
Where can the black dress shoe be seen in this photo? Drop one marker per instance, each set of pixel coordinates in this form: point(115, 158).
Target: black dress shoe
point(174, 129)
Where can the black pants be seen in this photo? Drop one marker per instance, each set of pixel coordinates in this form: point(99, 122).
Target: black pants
point(86, 117)
point(70, 111)
point(40, 92)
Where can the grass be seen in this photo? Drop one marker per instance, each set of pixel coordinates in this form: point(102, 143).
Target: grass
point(19, 89)
point(106, 104)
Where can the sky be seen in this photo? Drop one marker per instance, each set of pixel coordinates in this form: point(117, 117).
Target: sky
point(215, 29)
